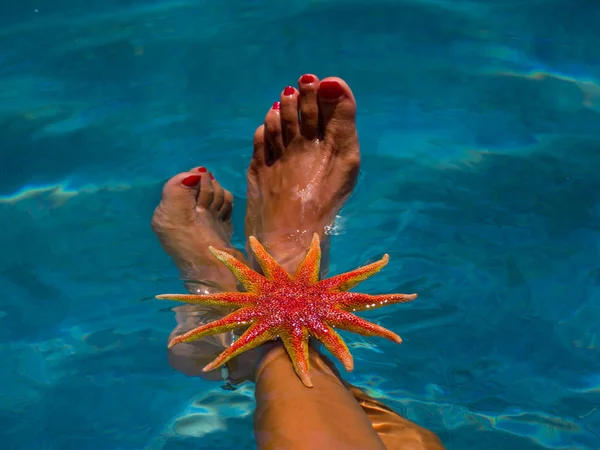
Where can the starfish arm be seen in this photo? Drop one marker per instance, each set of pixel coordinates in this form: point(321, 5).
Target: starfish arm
point(353, 301)
point(334, 343)
point(251, 280)
point(347, 321)
point(295, 342)
point(309, 270)
point(269, 266)
point(257, 334)
point(230, 322)
point(348, 280)
point(233, 299)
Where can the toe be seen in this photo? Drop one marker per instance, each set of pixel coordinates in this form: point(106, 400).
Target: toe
point(218, 196)
point(273, 134)
point(199, 169)
point(178, 202)
point(227, 207)
point(289, 114)
point(337, 108)
point(309, 110)
point(206, 193)
point(259, 156)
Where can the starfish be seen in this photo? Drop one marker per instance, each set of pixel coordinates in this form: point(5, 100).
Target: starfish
point(293, 308)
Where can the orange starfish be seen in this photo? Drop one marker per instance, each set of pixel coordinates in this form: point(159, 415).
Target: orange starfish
point(291, 308)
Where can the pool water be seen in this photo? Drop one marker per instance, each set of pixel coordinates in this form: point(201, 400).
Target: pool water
point(479, 124)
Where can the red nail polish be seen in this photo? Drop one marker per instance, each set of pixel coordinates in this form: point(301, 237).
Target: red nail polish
point(202, 169)
point(330, 90)
point(211, 176)
point(191, 181)
point(277, 105)
point(289, 91)
point(307, 79)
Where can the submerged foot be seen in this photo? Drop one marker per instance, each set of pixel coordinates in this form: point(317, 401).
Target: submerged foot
point(195, 213)
point(305, 164)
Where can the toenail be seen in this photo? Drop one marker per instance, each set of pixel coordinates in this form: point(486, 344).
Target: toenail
point(191, 181)
point(211, 176)
point(277, 105)
point(289, 90)
point(202, 169)
point(330, 90)
point(307, 79)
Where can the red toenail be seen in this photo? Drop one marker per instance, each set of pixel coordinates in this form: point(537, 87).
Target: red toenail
point(191, 181)
point(330, 90)
point(202, 169)
point(211, 176)
point(307, 79)
point(289, 91)
point(277, 105)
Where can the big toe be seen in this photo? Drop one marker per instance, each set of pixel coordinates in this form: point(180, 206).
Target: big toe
point(337, 108)
point(178, 203)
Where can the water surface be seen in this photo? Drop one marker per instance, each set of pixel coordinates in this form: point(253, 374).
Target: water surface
point(479, 130)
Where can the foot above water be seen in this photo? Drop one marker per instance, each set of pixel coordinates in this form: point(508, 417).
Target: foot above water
point(304, 166)
point(193, 214)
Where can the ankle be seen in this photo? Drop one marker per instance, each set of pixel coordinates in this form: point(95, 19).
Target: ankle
point(275, 357)
point(210, 276)
point(289, 251)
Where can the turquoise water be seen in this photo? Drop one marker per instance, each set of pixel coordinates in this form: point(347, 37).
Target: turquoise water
point(480, 133)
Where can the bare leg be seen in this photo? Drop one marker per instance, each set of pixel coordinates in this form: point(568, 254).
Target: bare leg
point(291, 416)
point(395, 431)
point(301, 173)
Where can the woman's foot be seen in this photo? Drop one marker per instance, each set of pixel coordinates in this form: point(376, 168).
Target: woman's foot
point(305, 164)
point(195, 213)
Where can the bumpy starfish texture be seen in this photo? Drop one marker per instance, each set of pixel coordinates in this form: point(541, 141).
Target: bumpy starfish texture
point(278, 305)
